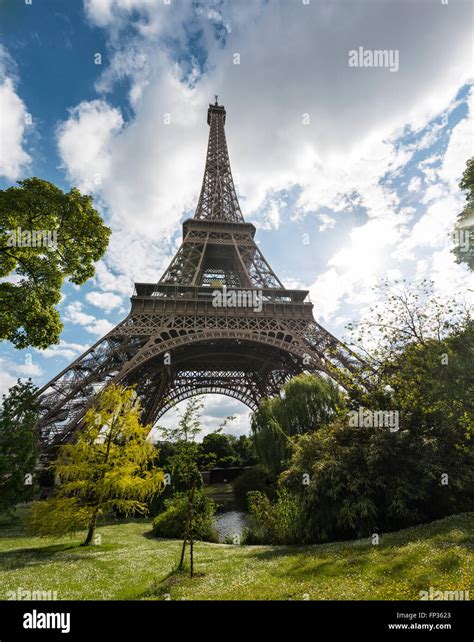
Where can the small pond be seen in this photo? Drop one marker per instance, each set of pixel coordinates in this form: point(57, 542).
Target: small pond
point(230, 523)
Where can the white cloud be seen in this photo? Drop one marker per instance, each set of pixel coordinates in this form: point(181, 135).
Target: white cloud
point(104, 300)
point(380, 247)
point(460, 148)
point(28, 368)
point(153, 170)
point(74, 314)
point(358, 265)
point(13, 122)
point(415, 184)
point(445, 201)
point(99, 11)
point(327, 222)
point(433, 193)
point(7, 380)
point(64, 349)
point(270, 215)
point(451, 279)
point(84, 143)
point(10, 371)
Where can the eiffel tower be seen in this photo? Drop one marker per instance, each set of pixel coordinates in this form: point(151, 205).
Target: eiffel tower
point(218, 321)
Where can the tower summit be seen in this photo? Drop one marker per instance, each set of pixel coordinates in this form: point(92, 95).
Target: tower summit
point(218, 199)
point(183, 336)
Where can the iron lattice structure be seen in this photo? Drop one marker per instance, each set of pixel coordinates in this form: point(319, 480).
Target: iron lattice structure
point(176, 343)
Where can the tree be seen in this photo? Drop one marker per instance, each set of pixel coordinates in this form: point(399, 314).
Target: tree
point(245, 450)
point(464, 228)
point(109, 466)
point(216, 451)
point(307, 403)
point(184, 465)
point(404, 315)
point(171, 522)
point(18, 445)
point(252, 479)
point(359, 480)
point(367, 479)
point(46, 236)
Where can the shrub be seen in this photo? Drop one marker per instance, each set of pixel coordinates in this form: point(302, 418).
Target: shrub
point(171, 522)
point(251, 479)
point(363, 480)
point(274, 523)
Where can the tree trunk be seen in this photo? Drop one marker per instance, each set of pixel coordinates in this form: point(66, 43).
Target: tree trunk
point(92, 524)
point(191, 543)
point(183, 549)
point(187, 529)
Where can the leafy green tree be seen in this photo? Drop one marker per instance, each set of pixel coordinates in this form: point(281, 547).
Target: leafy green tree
point(307, 403)
point(18, 445)
point(76, 237)
point(185, 468)
point(244, 450)
point(464, 228)
point(252, 479)
point(217, 451)
point(357, 480)
point(109, 466)
point(184, 464)
point(171, 523)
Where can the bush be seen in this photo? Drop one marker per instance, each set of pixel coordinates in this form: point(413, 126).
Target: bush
point(364, 480)
point(251, 479)
point(274, 523)
point(172, 521)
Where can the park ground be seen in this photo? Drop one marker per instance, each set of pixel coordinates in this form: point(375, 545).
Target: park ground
point(131, 564)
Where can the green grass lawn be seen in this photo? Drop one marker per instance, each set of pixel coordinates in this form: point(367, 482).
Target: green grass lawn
point(130, 564)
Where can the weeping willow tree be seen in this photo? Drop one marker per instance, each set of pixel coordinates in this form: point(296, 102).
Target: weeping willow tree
point(307, 403)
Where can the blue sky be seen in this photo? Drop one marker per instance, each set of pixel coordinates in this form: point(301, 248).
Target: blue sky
point(350, 174)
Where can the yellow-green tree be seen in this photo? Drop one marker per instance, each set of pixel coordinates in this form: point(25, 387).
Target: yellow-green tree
point(109, 466)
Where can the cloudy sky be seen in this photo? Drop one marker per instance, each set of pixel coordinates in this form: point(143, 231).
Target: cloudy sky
point(350, 173)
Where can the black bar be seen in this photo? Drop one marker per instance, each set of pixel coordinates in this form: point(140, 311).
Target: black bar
point(241, 621)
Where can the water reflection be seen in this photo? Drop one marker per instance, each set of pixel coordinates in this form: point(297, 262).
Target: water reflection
point(230, 524)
